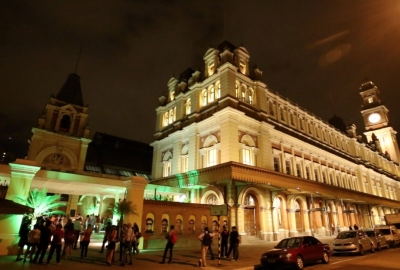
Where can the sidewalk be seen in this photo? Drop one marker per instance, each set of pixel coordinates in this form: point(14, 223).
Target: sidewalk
point(249, 258)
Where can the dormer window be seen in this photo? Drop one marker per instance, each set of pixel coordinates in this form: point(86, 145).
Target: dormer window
point(370, 100)
point(211, 69)
point(65, 122)
point(242, 67)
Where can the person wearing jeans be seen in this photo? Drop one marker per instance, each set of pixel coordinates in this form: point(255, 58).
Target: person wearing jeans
point(85, 241)
point(234, 240)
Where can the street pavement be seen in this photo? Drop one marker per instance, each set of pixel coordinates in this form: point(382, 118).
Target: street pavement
point(183, 258)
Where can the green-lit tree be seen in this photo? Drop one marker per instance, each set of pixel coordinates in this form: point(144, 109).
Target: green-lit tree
point(123, 208)
point(42, 204)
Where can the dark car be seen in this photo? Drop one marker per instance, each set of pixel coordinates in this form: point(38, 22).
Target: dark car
point(296, 251)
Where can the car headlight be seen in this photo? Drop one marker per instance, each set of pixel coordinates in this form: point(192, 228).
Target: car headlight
point(287, 255)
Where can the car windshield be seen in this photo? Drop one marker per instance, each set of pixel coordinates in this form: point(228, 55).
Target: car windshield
point(289, 243)
point(370, 233)
point(345, 235)
point(385, 231)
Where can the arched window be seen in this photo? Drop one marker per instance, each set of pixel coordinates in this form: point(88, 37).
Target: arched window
point(204, 97)
point(219, 91)
point(188, 106)
point(211, 96)
point(236, 90)
point(249, 201)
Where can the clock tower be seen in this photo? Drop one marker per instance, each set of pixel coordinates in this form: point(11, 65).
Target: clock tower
point(376, 120)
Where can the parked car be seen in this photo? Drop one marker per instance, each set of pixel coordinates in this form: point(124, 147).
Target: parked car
point(377, 237)
point(296, 251)
point(352, 242)
point(391, 234)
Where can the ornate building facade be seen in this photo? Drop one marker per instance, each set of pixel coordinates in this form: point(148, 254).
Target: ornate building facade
point(223, 137)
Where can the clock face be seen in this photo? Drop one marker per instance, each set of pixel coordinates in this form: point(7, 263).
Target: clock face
point(374, 118)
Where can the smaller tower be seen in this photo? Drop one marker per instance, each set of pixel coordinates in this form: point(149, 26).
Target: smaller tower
point(376, 120)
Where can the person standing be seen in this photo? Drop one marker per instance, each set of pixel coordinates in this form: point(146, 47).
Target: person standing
point(45, 236)
point(56, 243)
point(77, 231)
point(122, 242)
point(333, 229)
point(128, 245)
point(338, 228)
point(23, 236)
point(33, 240)
point(112, 239)
point(206, 239)
point(106, 233)
point(69, 239)
point(224, 242)
point(171, 237)
point(85, 241)
point(350, 228)
point(234, 240)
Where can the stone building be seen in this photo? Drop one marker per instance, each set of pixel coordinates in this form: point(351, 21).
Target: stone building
point(223, 137)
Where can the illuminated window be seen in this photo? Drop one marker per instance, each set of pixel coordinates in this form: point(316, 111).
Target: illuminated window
point(370, 100)
point(167, 168)
point(236, 89)
point(212, 94)
point(172, 95)
point(185, 163)
point(308, 173)
point(172, 115)
point(165, 120)
point(219, 91)
point(251, 96)
point(247, 157)
point(244, 94)
point(204, 97)
point(212, 157)
point(249, 200)
point(316, 174)
point(188, 106)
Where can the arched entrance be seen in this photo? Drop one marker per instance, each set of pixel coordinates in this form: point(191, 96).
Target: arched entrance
point(250, 215)
point(299, 217)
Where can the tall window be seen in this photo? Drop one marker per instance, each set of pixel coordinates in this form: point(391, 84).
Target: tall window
point(316, 174)
point(204, 97)
point(246, 157)
point(276, 164)
point(212, 94)
point(167, 168)
point(185, 163)
point(212, 157)
point(298, 169)
point(251, 96)
point(172, 116)
point(237, 89)
point(188, 106)
point(308, 173)
point(243, 94)
point(288, 170)
point(219, 91)
point(166, 121)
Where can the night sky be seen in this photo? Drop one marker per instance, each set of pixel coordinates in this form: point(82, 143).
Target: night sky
point(315, 53)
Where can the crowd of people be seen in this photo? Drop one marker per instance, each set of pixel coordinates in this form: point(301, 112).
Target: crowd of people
point(73, 235)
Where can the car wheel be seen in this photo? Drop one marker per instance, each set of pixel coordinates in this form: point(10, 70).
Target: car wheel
point(361, 251)
point(378, 247)
point(325, 258)
point(299, 262)
point(372, 248)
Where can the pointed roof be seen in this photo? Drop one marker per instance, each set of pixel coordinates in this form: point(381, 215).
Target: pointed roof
point(226, 45)
point(71, 91)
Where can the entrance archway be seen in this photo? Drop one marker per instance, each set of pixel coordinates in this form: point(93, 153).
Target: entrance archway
point(250, 215)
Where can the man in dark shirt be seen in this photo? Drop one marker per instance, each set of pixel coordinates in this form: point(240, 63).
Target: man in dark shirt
point(224, 242)
point(23, 236)
point(234, 240)
point(106, 233)
point(45, 235)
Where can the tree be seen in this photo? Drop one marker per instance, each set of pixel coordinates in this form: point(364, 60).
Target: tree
point(123, 208)
point(42, 204)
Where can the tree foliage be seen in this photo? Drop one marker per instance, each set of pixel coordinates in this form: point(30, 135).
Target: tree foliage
point(42, 204)
point(123, 208)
